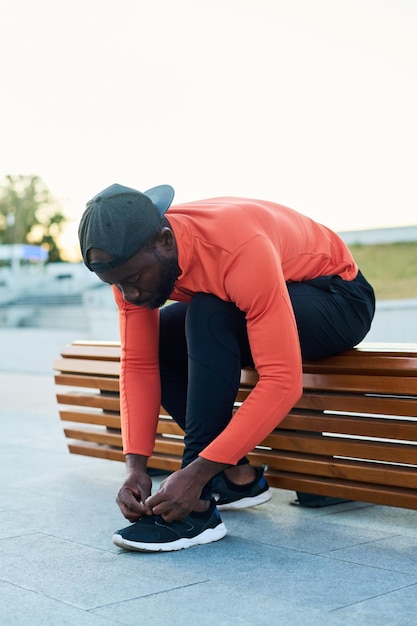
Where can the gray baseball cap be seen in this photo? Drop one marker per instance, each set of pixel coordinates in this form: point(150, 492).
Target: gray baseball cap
point(121, 220)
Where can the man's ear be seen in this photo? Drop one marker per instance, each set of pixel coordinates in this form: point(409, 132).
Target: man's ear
point(166, 239)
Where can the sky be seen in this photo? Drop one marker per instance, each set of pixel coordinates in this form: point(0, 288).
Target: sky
point(309, 103)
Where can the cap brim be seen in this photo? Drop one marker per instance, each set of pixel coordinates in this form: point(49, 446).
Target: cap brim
point(161, 196)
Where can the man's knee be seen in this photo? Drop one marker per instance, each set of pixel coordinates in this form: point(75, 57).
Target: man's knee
point(204, 304)
point(172, 343)
point(208, 314)
point(213, 325)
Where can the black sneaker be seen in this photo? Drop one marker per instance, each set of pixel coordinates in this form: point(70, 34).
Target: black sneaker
point(229, 496)
point(153, 534)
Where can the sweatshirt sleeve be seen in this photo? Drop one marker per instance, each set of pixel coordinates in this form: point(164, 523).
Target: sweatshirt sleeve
point(140, 393)
point(255, 283)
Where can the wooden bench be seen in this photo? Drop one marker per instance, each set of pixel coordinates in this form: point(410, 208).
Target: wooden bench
point(353, 434)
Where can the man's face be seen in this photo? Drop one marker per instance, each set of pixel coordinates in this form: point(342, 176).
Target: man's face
point(146, 279)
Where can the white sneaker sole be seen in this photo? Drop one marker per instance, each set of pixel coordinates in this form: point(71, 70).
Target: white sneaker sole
point(246, 503)
point(207, 536)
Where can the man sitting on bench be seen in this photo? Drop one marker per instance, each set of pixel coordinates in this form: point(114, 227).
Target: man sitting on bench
point(254, 284)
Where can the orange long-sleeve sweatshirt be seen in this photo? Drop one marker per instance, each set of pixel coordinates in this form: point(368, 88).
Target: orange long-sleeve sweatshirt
point(243, 251)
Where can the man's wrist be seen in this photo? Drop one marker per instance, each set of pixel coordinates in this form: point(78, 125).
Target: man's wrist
point(136, 463)
point(204, 470)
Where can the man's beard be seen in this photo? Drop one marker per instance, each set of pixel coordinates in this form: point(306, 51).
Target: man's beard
point(169, 274)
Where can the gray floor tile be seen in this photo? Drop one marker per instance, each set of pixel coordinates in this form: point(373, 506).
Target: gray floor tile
point(379, 518)
point(12, 524)
point(83, 576)
point(396, 553)
point(398, 608)
point(302, 578)
point(210, 603)
point(269, 524)
point(22, 607)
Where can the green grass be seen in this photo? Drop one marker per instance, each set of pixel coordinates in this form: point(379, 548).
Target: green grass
point(390, 268)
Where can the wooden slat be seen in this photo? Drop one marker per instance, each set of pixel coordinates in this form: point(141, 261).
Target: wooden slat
point(88, 366)
point(89, 381)
point(165, 462)
point(351, 425)
point(391, 347)
point(352, 363)
point(94, 436)
point(359, 403)
point(165, 445)
point(103, 401)
point(249, 377)
point(94, 450)
point(243, 393)
point(168, 426)
point(104, 344)
point(361, 383)
point(366, 357)
point(90, 417)
point(315, 443)
point(366, 363)
point(94, 352)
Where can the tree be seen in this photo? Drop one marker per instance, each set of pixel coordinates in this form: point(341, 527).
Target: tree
point(29, 214)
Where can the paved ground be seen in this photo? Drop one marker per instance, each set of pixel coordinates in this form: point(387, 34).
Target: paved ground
point(344, 565)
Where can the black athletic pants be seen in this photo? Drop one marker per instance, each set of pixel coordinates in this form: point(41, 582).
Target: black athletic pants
point(204, 345)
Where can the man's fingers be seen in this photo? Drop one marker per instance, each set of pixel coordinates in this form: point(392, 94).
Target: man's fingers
point(169, 510)
point(160, 509)
point(132, 516)
point(154, 500)
point(131, 508)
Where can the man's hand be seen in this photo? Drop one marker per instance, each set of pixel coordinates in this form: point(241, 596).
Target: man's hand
point(135, 489)
point(180, 493)
point(177, 496)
